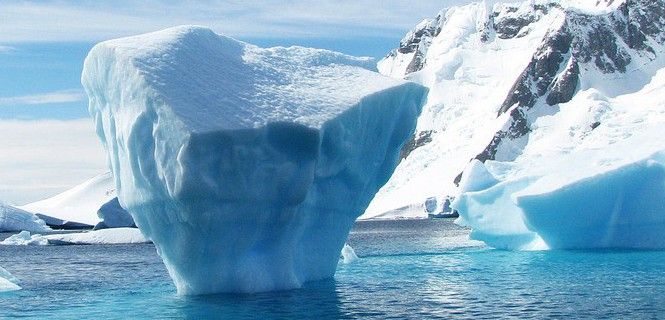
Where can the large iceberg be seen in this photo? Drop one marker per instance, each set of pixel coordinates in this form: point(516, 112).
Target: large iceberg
point(246, 166)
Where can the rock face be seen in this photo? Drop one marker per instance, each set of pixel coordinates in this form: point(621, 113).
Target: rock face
point(246, 166)
point(604, 42)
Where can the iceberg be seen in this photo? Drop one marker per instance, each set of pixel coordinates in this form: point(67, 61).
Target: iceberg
point(7, 281)
point(15, 219)
point(24, 238)
point(348, 255)
point(112, 215)
point(246, 166)
point(609, 197)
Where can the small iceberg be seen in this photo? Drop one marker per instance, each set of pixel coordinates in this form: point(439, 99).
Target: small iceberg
point(7, 281)
point(348, 254)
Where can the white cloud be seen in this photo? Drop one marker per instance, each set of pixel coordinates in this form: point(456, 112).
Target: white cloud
point(44, 157)
point(98, 20)
point(44, 98)
point(5, 49)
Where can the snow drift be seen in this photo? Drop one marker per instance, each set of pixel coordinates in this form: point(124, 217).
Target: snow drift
point(246, 166)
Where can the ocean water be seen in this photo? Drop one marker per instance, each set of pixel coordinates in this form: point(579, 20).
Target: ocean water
point(407, 269)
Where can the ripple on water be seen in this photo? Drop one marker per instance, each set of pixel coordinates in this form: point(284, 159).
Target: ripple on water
point(407, 269)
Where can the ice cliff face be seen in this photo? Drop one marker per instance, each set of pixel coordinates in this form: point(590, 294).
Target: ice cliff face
point(246, 166)
point(538, 84)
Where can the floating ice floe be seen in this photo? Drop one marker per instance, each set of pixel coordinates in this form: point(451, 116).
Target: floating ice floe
point(7, 281)
point(97, 237)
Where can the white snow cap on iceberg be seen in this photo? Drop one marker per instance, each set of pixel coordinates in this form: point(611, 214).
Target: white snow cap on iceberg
point(246, 166)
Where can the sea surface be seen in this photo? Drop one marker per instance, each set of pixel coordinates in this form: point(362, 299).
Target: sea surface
point(407, 270)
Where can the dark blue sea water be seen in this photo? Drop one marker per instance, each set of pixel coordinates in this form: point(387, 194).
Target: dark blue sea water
point(407, 269)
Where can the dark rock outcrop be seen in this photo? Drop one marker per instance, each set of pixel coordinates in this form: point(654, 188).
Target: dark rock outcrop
point(605, 42)
point(417, 140)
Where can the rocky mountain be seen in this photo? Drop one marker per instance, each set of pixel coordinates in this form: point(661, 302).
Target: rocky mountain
point(494, 69)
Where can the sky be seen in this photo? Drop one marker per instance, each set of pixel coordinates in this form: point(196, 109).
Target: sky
point(47, 141)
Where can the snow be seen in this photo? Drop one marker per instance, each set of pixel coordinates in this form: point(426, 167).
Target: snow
point(581, 174)
point(79, 204)
point(14, 219)
point(7, 281)
point(246, 166)
point(97, 237)
point(575, 187)
point(468, 81)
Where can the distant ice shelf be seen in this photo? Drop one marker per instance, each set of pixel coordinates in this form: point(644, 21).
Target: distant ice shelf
point(246, 166)
point(96, 237)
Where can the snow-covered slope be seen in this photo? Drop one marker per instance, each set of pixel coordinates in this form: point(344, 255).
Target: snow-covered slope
point(15, 219)
point(79, 204)
point(246, 166)
point(522, 86)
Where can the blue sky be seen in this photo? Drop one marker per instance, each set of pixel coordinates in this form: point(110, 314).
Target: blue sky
point(43, 44)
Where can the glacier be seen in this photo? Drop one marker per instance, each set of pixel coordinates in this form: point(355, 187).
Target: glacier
point(7, 281)
point(246, 166)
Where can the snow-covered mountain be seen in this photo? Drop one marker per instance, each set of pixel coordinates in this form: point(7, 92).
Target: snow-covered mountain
point(515, 83)
point(80, 203)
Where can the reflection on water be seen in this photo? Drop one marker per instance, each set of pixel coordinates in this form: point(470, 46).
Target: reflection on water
point(407, 269)
point(317, 300)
